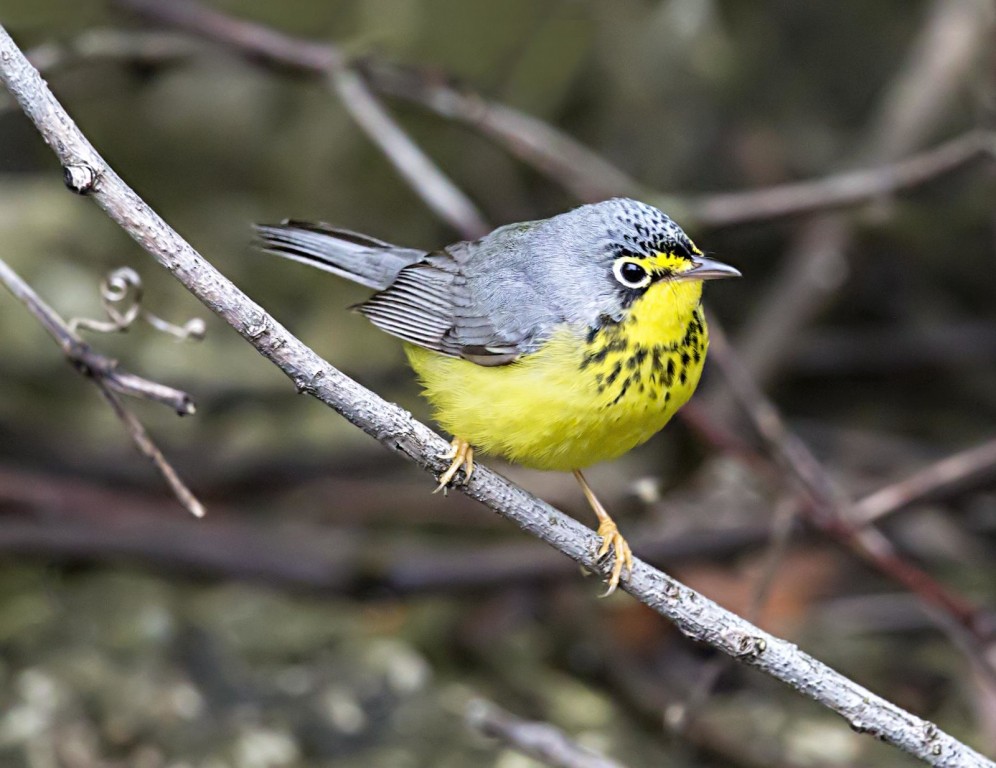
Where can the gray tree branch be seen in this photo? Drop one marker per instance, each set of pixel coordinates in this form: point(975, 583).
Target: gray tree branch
point(695, 615)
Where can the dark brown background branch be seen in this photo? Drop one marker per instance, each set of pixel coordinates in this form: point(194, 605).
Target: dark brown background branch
point(572, 165)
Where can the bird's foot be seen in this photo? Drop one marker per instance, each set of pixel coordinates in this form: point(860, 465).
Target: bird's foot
point(463, 456)
point(613, 541)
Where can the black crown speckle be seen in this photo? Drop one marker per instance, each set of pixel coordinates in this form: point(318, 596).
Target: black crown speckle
point(638, 229)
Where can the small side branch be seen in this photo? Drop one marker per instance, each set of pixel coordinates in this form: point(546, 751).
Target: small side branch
point(540, 741)
point(842, 189)
point(111, 382)
point(952, 471)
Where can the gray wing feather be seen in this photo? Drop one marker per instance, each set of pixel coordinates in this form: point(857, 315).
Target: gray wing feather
point(431, 304)
point(415, 307)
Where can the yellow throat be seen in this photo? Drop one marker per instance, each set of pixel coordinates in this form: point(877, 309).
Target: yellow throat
point(587, 395)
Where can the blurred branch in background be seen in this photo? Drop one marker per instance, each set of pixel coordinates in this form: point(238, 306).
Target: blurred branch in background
point(111, 381)
point(440, 194)
point(952, 472)
point(695, 615)
point(844, 189)
point(540, 741)
point(111, 45)
point(78, 522)
point(953, 37)
point(567, 162)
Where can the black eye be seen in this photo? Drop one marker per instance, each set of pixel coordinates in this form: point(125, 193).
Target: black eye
point(631, 274)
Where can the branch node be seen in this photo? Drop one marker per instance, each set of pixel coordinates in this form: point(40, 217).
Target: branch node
point(256, 326)
point(747, 646)
point(307, 385)
point(80, 178)
point(671, 591)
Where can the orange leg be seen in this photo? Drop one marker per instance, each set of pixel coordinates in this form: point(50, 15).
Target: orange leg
point(611, 538)
point(463, 456)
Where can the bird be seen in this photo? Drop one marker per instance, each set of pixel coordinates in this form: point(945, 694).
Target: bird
point(556, 344)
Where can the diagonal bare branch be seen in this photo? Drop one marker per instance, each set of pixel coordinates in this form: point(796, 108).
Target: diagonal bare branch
point(433, 186)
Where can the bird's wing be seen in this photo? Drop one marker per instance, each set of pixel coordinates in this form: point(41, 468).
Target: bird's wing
point(434, 305)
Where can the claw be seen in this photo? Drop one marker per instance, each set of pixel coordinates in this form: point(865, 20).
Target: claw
point(613, 541)
point(462, 455)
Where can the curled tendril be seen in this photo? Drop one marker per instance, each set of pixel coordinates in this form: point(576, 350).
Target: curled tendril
point(121, 297)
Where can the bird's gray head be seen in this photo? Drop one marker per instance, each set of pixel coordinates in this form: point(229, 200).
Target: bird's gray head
point(611, 253)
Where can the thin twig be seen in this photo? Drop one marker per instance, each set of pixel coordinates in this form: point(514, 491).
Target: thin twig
point(953, 471)
point(695, 615)
point(842, 189)
point(82, 356)
point(110, 381)
point(541, 741)
point(150, 450)
point(427, 180)
point(433, 186)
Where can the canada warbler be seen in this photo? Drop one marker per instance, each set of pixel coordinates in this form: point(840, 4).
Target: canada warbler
point(557, 343)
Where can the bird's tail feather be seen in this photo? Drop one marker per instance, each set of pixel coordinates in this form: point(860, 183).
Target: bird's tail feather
point(360, 258)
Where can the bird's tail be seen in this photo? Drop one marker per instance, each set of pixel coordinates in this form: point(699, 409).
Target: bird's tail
point(360, 258)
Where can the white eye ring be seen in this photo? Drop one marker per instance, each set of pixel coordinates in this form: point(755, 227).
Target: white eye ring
point(631, 280)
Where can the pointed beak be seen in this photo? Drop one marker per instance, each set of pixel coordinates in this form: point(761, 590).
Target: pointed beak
point(707, 269)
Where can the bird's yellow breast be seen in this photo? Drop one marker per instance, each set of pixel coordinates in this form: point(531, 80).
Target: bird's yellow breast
point(583, 397)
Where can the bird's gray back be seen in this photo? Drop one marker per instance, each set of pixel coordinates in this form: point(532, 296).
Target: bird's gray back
point(528, 279)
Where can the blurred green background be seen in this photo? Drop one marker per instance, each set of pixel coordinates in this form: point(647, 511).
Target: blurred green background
point(312, 620)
